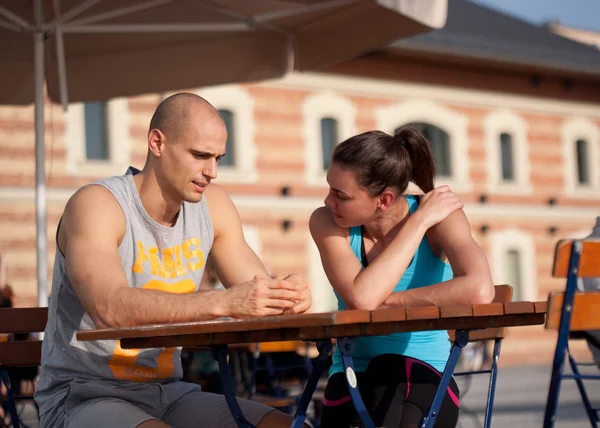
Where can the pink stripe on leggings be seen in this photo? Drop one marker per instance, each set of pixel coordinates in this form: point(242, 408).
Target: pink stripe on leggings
point(409, 363)
point(333, 403)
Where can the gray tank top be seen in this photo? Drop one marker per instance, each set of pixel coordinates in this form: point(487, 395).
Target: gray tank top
point(154, 257)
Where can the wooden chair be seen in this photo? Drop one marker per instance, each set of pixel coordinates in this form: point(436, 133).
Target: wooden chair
point(572, 312)
point(502, 305)
point(19, 353)
point(503, 295)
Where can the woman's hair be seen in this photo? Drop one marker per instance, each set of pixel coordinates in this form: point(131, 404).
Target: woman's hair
point(381, 161)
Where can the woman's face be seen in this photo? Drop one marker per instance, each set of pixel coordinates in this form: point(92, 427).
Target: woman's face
point(350, 204)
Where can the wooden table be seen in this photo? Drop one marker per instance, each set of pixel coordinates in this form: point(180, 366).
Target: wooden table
point(344, 326)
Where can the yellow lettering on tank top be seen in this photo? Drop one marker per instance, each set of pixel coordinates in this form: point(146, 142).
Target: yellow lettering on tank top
point(190, 253)
point(180, 269)
point(123, 365)
point(123, 362)
point(138, 266)
point(155, 262)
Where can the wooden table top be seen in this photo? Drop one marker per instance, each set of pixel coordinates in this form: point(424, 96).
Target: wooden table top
point(324, 325)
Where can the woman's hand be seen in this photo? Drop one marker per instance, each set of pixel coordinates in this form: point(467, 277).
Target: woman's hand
point(438, 204)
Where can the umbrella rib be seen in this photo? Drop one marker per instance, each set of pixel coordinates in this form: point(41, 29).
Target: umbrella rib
point(156, 28)
point(12, 17)
point(10, 26)
point(71, 13)
point(303, 9)
point(120, 12)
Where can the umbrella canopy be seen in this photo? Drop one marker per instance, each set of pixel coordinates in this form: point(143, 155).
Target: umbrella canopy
point(97, 49)
point(87, 50)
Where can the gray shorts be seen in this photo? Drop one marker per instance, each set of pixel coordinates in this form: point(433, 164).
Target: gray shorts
point(102, 404)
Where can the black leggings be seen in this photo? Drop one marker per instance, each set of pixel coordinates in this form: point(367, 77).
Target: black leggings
point(397, 392)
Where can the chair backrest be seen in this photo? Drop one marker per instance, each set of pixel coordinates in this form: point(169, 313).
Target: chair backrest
point(503, 295)
point(13, 321)
point(584, 308)
point(589, 263)
point(584, 315)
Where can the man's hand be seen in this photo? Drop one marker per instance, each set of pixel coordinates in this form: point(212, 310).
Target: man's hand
point(263, 296)
point(305, 298)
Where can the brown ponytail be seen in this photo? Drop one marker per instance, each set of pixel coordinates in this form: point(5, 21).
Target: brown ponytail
point(381, 161)
point(421, 158)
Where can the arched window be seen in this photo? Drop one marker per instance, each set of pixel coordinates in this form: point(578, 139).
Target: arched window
point(506, 157)
point(445, 128)
point(236, 106)
point(512, 264)
point(230, 158)
point(96, 131)
point(440, 147)
point(507, 147)
point(329, 139)
point(512, 260)
point(582, 156)
point(328, 120)
point(581, 150)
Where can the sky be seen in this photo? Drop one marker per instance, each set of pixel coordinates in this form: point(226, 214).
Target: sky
point(576, 13)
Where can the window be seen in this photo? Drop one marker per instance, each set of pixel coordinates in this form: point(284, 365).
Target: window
point(329, 139)
point(444, 128)
point(229, 158)
point(512, 261)
point(506, 157)
point(97, 138)
point(236, 107)
point(583, 176)
point(440, 147)
point(508, 165)
point(328, 120)
point(581, 152)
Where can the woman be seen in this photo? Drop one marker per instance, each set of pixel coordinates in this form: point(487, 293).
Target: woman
point(382, 247)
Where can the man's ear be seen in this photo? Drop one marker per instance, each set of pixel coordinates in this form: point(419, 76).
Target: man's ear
point(156, 142)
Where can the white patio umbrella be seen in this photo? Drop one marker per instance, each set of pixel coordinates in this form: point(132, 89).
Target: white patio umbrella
point(87, 50)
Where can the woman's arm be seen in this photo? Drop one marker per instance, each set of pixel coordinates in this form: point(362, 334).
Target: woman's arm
point(368, 288)
point(363, 288)
point(472, 283)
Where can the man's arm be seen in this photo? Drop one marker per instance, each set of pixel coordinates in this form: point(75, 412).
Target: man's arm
point(91, 229)
point(472, 282)
point(234, 260)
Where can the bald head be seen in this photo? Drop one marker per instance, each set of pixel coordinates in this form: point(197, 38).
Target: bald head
point(174, 114)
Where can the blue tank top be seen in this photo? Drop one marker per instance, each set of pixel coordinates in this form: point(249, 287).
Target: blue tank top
point(432, 347)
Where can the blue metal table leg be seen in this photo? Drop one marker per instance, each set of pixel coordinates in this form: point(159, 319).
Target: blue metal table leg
point(346, 346)
point(592, 415)
point(14, 417)
point(492, 389)
point(324, 347)
point(461, 340)
point(563, 336)
point(219, 353)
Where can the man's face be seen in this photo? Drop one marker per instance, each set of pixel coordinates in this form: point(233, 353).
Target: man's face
point(189, 162)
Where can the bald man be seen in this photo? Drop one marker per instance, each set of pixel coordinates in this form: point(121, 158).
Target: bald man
point(131, 250)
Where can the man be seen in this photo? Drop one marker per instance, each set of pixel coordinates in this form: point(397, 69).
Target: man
point(129, 249)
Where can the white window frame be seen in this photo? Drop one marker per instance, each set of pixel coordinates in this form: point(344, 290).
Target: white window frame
point(241, 104)
point(316, 107)
point(579, 128)
point(323, 298)
point(453, 123)
point(515, 239)
point(117, 127)
point(494, 125)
